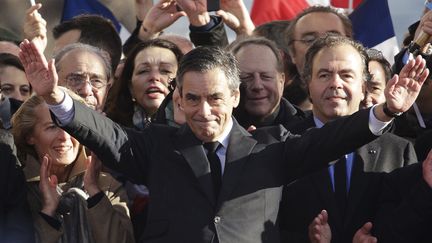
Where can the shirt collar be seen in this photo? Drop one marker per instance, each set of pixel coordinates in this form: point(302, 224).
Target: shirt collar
point(224, 138)
point(318, 123)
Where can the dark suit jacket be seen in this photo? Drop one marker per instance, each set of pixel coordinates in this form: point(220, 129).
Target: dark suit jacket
point(405, 213)
point(174, 166)
point(305, 198)
point(286, 114)
point(15, 218)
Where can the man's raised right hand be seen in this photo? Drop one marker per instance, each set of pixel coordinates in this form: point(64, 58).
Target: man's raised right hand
point(40, 73)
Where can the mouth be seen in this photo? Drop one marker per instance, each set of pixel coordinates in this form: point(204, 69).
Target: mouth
point(335, 98)
point(256, 98)
point(155, 92)
point(154, 89)
point(62, 148)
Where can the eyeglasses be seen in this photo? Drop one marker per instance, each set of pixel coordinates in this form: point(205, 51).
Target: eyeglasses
point(309, 39)
point(77, 80)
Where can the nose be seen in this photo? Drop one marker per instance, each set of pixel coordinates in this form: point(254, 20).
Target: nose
point(62, 135)
point(155, 75)
point(367, 101)
point(17, 95)
point(85, 90)
point(256, 84)
point(205, 109)
point(336, 82)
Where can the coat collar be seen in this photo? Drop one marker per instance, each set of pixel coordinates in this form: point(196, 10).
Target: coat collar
point(239, 147)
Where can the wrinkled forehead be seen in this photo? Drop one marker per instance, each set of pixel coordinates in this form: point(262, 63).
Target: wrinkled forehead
point(319, 23)
point(342, 56)
point(78, 60)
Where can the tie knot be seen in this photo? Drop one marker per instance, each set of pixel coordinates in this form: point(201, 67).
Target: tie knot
point(212, 146)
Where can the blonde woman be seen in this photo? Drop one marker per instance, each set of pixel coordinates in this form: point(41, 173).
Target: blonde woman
point(70, 198)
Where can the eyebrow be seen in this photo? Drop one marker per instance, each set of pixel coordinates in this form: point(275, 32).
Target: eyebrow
point(83, 73)
point(315, 32)
point(216, 95)
point(190, 96)
point(346, 70)
point(147, 63)
point(372, 81)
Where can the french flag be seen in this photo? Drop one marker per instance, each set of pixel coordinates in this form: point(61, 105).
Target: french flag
point(73, 8)
point(371, 19)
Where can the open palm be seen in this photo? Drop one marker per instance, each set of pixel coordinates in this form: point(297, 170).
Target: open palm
point(41, 74)
point(402, 90)
point(193, 7)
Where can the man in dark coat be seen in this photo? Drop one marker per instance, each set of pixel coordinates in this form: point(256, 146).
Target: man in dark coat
point(228, 193)
point(15, 218)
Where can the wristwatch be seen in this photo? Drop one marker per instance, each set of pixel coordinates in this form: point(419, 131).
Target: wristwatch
point(389, 113)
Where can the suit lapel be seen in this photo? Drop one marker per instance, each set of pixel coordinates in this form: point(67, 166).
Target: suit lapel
point(192, 150)
point(239, 147)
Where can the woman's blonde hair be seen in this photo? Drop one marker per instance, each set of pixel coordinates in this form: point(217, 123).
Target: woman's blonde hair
point(25, 119)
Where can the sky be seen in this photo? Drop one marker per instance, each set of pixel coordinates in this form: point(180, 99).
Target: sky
point(404, 13)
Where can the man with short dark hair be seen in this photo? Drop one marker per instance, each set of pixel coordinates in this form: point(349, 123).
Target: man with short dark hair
point(90, 29)
point(211, 180)
point(303, 30)
point(336, 72)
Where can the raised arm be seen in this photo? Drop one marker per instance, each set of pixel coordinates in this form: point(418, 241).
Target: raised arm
point(41, 74)
point(402, 90)
point(108, 140)
point(236, 16)
point(159, 17)
point(206, 30)
point(35, 26)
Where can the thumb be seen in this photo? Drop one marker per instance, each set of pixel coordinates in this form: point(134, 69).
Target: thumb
point(392, 83)
point(367, 228)
point(251, 128)
point(221, 13)
point(53, 180)
point(35, 7)
point(179, 14)
point(52, 70)
point(88, 160)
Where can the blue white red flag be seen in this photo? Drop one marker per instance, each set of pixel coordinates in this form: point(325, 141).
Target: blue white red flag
point(371, 19)
point(373, 27)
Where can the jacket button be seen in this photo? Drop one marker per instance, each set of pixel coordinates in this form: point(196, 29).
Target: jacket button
point(217, 220)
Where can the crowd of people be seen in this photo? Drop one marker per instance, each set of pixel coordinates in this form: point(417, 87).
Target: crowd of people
point(293, 132)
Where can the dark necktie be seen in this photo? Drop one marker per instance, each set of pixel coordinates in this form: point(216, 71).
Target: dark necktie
point(340, 179)
point(215, 165)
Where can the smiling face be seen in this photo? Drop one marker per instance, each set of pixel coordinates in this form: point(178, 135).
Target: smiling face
point(262, 82)
point(375, 87)
point(154, 68)
point(336, 87)
point(49, 139)
point(208, 102)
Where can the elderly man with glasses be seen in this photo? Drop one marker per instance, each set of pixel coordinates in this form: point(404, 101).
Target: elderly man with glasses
point(87, 71)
